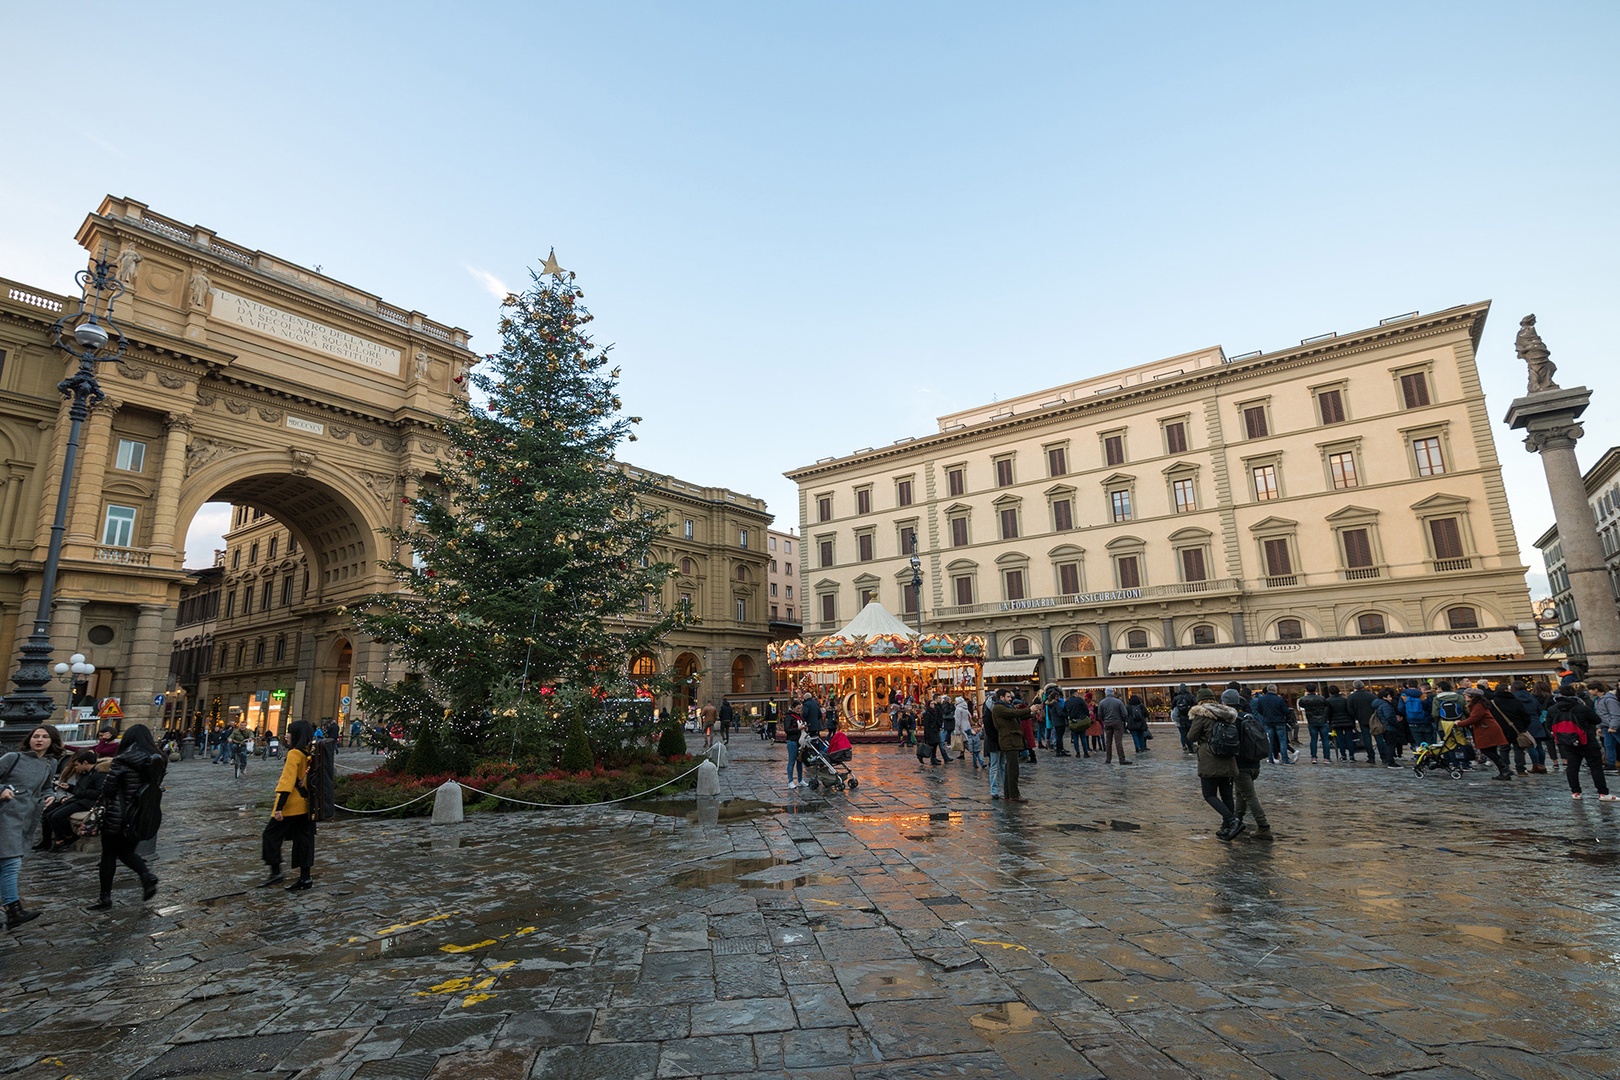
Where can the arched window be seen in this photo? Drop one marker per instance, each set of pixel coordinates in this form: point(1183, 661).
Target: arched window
point(688, 567)
point(1462, 618)
point(1203, 634)
point(1290, 630)
point(643, 667)
point(1136, 639)
point(1077, 643)
point(742, 573)
point(1370, 623)
point(1020, 646)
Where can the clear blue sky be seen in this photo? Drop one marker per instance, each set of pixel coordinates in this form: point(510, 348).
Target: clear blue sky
point(814, 227)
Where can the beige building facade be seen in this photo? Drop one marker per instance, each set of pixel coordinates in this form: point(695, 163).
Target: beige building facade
point(784, 599)
point(1295, 514)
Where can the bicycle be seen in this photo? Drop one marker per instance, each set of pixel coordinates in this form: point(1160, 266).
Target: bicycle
point(239, 762)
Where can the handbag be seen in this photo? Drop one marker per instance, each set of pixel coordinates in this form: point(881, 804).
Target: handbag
point(91, 825)
point(1521, 739)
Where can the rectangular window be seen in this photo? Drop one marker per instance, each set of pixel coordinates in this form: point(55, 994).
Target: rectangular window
point(131, 455)
point(1175, 438)
point(1342, 467)
point(1254, 422)
point(1130, 572)
point(790, 613)
point(1068, 577)
point(1119, 503)
point(823, 509)
point(787, 568)
point(773, 613)
point(742, 609)
point(286, 590)
point(230, 610)
point(1357, 549)
point(236, 559)
point(908, 539)
point(1062, 515)
point(863, 501)
point(1278, 561)
point(247, 600)
point(1015, 584)
point(1265, 482)
point(868, 596)
point(1415, 390)
point(826, 553)
point(1057, 461)
point(772, 543)
point(829, 607)
point(118, 530)
point(1009, 523)
point(959, 532)
point(773, 588)
point(1447, 538)
point(274, 541)
point(1004, 472)
point(1427, 452)
point(689, 528)
point(908, 599)
point(956, 481)
point(902, 493)
point(1186, 499)
point(281, 649)
point(742, 538)
point(789, 589)
point(1114, 450)
point(964, 590)
point(863, 547)
point(1192, 565)
point(253, 553)
point(1330, 404)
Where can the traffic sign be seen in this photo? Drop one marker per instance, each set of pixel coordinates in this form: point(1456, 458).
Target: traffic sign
point(157, 699)
point(110, 709)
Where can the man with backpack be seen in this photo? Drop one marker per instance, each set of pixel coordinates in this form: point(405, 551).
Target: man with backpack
point(1254, 746)
point(1575, 733)
point(1076, 717)
point(1214, 731)
point(1415, 711)
point(1314, 708)
point(1363, 707)
point(1180, 706)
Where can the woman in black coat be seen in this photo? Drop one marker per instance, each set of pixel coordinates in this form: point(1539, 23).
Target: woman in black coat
point(137, 764)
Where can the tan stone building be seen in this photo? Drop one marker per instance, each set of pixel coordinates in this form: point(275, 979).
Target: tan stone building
point(1282, 515)
point(782, 581)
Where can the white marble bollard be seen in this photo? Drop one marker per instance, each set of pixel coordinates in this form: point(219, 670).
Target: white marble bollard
point(719, 755)
point(708, 779)
point(447, 804)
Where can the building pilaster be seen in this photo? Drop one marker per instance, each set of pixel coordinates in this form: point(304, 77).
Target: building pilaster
point(91, 473)
point(172, 473)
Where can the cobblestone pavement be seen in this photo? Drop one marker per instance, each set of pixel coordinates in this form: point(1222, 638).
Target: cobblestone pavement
point(1396, 927)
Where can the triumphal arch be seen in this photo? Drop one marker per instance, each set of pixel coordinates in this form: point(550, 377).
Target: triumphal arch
point(248, 379)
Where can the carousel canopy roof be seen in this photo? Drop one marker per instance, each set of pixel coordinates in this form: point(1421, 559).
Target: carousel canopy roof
point(874, 620)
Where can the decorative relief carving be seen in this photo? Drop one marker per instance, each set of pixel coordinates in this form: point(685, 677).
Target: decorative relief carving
point(204, 450)
point(391, 445)
point(270, 416)
point(177, 422)
point(365, 438)
point(1553, 438)
point(301, 460)
point(205, 398)
point(428, 447)
point(130, 370)
point(173, 382)
point(339, 431)
point(240, 408)
point(380, 485)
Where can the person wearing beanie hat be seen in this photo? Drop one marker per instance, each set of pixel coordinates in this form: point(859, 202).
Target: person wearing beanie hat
point(1205, 694)
point(1571, 718)
point(1216, 773)
point(1488, 737)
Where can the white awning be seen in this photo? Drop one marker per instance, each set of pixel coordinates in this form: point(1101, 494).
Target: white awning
point(1382, 649)
point(1023, 668)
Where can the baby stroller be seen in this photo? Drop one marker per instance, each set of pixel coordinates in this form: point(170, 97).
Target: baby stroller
point(826, 765)
point(1428, 756)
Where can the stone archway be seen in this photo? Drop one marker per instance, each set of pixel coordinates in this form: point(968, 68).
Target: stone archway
point(687, 675)
point(743, 670)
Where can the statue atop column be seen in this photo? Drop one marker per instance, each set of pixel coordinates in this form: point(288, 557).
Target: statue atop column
point(1533, 351)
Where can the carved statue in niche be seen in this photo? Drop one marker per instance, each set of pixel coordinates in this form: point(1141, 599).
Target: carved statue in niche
point(1534, 352)
point(199, 290)
point(129, 261)
point(424, 365)
point(458, 375)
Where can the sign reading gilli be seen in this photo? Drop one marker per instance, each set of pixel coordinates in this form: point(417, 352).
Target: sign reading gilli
point(297, 330)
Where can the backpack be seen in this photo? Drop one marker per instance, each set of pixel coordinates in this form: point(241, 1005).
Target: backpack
point(145, 814)
point(1412, 705)
point(1567, 733)
point(321, 782)
point(1225, 740)
point(1448, 707)
point(1253, 739)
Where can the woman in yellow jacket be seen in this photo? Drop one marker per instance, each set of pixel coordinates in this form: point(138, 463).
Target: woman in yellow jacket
point(291, 816)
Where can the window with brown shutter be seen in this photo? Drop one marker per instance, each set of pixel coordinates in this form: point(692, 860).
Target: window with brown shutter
point(1114, 449)
point(903, 493)
point(1278, 561)
point(1175, 438)
point(826, 553)
point(863, 547)
point(1357, 549)
point(1069, 577)
point(1015, 584)
point(828, 608)
point(863, 501)
point(1447, 538)
point(908, 540)
point(959, 532)
point(956, 481)
point(908, 598)
point(1130, 575)
point(964, 591)
point(823, 511)
point(1004, 472)
point(1057, 461)
point(1009, 524)
point(1192, 565)
point(1330, 403)
point(1415, 390)
point(1062, 515)
point(1254, 422)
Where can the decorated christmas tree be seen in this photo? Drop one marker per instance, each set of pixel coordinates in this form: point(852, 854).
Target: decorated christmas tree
point(528, 564)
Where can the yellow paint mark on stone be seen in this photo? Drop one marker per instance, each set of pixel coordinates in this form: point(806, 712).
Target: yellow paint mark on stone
point(503, 965)
point(474, 947)
point(829, 903)
point(397, 927)
point(473, 999)
point(525, 930)
point(449, 986)
point(1003, 944)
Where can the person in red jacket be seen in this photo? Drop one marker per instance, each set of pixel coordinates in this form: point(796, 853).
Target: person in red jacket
point(1488, 736)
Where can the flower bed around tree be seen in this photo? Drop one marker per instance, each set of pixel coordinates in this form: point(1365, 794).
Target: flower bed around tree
point(387, 791)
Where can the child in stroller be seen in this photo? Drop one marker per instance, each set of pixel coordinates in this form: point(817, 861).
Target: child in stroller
point(1444, 754)
point(827, 760)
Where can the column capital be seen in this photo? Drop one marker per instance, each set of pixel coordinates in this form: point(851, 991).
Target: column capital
point(177, 421)
point(106, 406)
point(1554, 437)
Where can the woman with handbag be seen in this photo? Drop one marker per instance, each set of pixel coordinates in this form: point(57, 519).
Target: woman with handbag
point(139, 763)
point(292, 815)
point(1489, 739)
point(25, 777)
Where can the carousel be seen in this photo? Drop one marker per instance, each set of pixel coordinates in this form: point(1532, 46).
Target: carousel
point(874, 659)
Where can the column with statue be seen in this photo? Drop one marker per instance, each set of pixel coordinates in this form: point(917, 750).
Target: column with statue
point(1548, 414)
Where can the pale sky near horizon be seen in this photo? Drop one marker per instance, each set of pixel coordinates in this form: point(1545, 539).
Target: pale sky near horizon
point(811, 228)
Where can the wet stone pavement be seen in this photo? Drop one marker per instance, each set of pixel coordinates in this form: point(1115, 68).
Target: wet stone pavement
point(910, 929)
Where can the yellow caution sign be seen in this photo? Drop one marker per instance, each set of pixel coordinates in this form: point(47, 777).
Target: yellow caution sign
point(110, 709)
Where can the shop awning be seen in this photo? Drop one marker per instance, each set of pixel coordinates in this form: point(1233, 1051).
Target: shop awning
point(1382, 649)
point(1022, 668)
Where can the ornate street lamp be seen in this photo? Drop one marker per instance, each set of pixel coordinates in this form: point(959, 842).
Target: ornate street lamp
point(916, 588)
point(89, 335)
point(81, 668)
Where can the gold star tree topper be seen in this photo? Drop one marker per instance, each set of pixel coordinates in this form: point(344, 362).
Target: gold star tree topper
point(550, 265)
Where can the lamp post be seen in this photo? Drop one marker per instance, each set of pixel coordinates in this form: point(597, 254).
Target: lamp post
point(90, 336)
point(81, 669)
point(916, 589)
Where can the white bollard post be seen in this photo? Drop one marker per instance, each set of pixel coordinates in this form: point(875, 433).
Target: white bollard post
point(447, 804)
point(719, 755)
point(708, 779)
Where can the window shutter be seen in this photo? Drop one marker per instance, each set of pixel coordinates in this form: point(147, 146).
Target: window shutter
point(1129, 576)
point(1357, 549)
point(1415, 389)
point(1447, 538)
point(1332, 405)
point(1278, 563)
point(1254, 421)
point(1192, 564)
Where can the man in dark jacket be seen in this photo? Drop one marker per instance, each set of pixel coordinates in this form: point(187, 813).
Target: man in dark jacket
point(1180, 706)
point(992, 748)
point(1341, 725)
point(1076, 717)
point(1313, 707)
point(1055, 719)
point(1010, 735)
point(810, 715)
point(1363, 705)
point(1271, 710)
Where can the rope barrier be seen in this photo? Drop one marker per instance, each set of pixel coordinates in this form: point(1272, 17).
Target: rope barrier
point(523, 802)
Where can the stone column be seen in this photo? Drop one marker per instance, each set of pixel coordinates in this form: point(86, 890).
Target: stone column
point(1105, 649)
point(67, 618)
point(1548, 418)
point(1050, 654)
point(84, 525)
point(148, 667)
point(171, 473)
